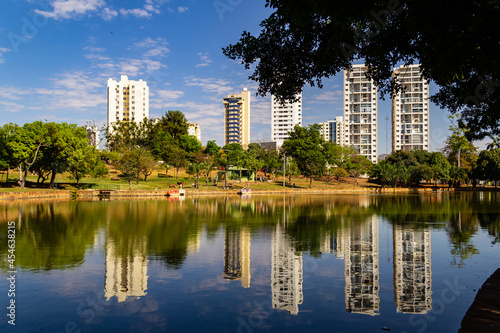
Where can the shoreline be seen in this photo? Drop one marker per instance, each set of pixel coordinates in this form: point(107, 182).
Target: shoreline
point(87, 194)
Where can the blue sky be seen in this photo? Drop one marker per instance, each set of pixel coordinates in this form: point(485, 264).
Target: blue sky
point(57, 55)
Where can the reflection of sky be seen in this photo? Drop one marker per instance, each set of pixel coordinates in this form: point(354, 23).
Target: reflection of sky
point(196, 296)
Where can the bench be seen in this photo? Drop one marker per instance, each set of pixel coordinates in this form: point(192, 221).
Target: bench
point(162, 175)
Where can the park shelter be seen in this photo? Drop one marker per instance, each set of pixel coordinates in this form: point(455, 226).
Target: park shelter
point(234, 174)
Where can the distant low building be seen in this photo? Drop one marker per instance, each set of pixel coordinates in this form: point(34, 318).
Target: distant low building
point(269, 145)
point(92, 134)
point(194, 130)
point(333, 130)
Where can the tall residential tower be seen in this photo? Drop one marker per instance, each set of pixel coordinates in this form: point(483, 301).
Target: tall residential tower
point(360, 112)
point(237, 118)
point(410, 110)
point(284, 117)
point(127, 100)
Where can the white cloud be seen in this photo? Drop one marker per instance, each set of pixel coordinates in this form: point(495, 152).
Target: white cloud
point(95, 56)
point(135, 67)
point(74, 9)
point(328, 97)
point(150, 47)
point(13, 93)
point(209, 84)
point(108, 14)
point(166, 95)
point(182, 9)
point(137, 12)
point(72, 91)
point(2, 51)
point(94, 49)
point(68, 9)
point(204, 60)
point(11, 106)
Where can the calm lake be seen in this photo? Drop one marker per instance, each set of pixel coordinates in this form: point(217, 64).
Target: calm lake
point(310, 263)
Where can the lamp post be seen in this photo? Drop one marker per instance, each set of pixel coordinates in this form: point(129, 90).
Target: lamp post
point(284, 168)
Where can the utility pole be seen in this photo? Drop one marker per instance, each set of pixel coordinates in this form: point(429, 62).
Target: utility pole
point(284, 168)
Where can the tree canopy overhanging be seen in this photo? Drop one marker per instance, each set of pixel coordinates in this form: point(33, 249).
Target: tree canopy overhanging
point(455, 42)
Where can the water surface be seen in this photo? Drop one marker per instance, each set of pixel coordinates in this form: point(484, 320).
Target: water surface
point(346, 263)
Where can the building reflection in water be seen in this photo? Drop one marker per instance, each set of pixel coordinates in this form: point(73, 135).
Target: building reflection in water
point(286, 273)
point(412, 270)
point(362, 267)
point(126, 274)
point(237, 256)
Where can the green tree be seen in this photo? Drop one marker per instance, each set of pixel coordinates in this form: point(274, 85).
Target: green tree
point(272, 161)
point(7, 159)
point(129, 164)
point(303, 42)
point(61, 143)
point(458, 149)
point(81, 162)
point(385, 172)
point(488, 166)
point(25, 146)
point(440, 166)
point(177, 158)
point(190, 144)
point(291, 170)
point(124, 135)
point(339, 174)
point(305, 145)
point(494, 144)
point(252, 162)
point(235, 155)
point(175, 123)
point(422, 172)
point(212, 149)
point(457, 175)
point(402, 157)
point(148, 164)
point(359, 165)
point(197, 166)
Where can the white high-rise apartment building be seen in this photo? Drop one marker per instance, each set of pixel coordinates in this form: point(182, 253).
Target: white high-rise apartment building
point(410, 110)
point(286, 273)
point(127, 100)
point(333, 130)
point(412, 269)
point(362, 267)
point(284, 117)
point(360, 112)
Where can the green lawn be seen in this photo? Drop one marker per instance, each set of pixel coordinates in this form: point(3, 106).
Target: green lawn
point(63, 181)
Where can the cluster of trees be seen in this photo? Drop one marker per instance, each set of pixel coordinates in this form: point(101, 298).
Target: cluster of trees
point(411, 167)
point(460, 163)
point(136, 148)
point(47, 149)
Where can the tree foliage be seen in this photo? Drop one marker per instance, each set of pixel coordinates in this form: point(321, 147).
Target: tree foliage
point(304, 42)
point(305, 145)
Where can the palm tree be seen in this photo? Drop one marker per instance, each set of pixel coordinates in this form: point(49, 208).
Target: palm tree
point(494, 144)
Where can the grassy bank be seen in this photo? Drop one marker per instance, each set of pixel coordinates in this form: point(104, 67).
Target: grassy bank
point(154, 181)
